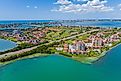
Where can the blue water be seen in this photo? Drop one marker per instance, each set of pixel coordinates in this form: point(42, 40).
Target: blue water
point(6, 45)
point(22, 21)
point(59, 68)
point(25, 23)
point(86, 23)
point(96, 23)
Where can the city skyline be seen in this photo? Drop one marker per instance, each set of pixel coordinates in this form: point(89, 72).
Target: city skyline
point(59, 9)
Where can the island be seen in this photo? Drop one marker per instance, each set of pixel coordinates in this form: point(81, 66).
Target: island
point(84, 44)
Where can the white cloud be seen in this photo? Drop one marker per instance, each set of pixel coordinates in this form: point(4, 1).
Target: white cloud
point(28, 6)
point(103, 2)
point(78, 0)
point(85, 0)
point(63, 2)
point(119, 6)
point(90, 6)
point(35, 7)
point(32, 7)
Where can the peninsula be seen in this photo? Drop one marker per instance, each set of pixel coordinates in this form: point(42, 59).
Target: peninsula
point(84, 44)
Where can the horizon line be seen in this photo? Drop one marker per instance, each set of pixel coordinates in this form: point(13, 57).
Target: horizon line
point(63, 19)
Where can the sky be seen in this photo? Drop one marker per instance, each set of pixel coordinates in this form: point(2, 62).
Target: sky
point(59, 9)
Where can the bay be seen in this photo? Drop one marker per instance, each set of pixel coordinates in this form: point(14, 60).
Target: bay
point(6, 45)
point(59, 68)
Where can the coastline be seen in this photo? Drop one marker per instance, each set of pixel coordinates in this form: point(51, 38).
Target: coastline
point(91, 60)
point(23, 58)
point(105, 52)
point(10, 56)
point(85, 60)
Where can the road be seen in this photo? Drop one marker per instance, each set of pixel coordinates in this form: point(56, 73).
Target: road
point(29, 49)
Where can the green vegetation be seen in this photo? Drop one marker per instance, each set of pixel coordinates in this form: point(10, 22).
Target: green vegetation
point(57, 33)
point(43, 49)
point(62, 32)
point(25, 57)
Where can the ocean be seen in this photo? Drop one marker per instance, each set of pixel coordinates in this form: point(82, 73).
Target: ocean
point(59, 68)
point(95, 23)
point(22, 21)
point(85, 23)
